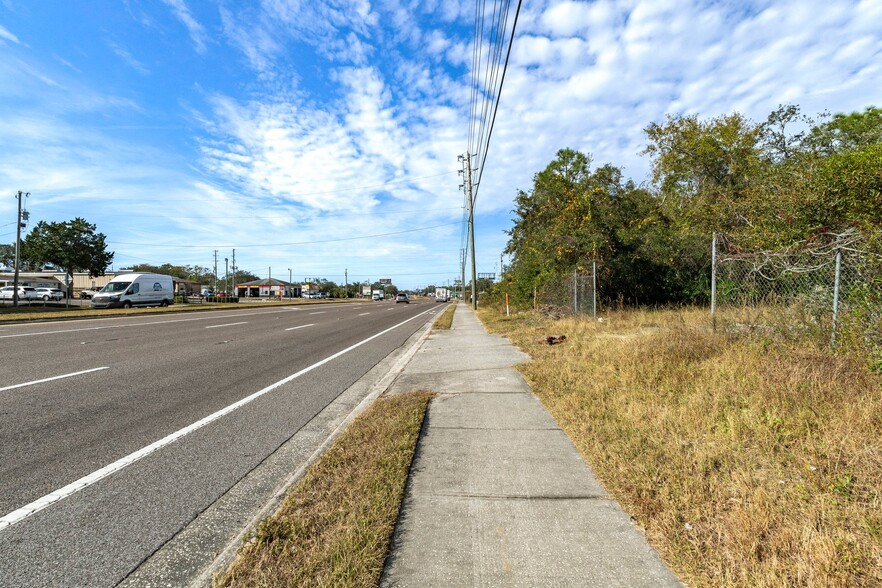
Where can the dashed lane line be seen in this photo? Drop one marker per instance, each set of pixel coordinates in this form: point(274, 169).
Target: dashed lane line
point(53, 378)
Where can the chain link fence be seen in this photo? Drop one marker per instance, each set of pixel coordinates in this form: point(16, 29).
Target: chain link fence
point(569, 294)
point(827, 288)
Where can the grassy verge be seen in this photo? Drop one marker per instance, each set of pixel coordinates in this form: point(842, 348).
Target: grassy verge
point(446, 319)
point(335, 526)
point(749, 461)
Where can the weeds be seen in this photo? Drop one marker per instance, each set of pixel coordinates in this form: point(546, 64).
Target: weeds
point(334, 527)
point(749, 460)
point(446, 319)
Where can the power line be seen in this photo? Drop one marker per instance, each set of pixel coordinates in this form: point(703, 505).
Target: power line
point(494, 78)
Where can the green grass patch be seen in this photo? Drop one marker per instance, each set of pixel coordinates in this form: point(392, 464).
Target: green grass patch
point(446, 319)
point(749, 459)
point(335, 526)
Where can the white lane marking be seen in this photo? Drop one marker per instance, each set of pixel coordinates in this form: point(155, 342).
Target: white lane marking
point(36, 506)
point(320, 312)
point(300, 327)
point(54, 378)
point(145, 324)
point(364, 313)
point(226, 325)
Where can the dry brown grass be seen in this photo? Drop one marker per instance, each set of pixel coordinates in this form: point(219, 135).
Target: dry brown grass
point(446, 319)
point(335, 526)
point(748, 461)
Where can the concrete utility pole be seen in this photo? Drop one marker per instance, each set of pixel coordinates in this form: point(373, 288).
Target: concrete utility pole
point(346, 282)
point(468, 159)
point(462, 278)
point(226, 275)
point(18, 226)
point(290, 279)
point(234, 272)
point(215, 271)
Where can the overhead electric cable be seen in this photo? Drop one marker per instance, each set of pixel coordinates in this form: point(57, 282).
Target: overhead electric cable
point(496, 107)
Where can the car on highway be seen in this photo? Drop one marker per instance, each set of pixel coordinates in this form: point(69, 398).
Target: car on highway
point(24, 293)
point(402, 297)
point(50, 293)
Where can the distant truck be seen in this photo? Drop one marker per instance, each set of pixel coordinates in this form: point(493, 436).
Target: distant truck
point(128, 290)
point(377, 295)
point(442, 295)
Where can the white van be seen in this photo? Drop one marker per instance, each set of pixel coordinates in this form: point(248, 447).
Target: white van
point(128, 290)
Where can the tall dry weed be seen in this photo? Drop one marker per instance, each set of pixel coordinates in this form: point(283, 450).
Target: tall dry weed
point(748, 460)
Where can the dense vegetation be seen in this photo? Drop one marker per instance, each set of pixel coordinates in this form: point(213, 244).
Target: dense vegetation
point(768, 185)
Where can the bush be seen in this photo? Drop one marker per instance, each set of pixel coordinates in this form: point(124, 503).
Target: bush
point(221, 299)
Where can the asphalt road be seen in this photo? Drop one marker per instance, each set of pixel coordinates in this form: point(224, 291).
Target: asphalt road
point(79, 400)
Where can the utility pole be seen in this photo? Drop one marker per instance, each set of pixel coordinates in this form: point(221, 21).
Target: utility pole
point(234, 272)
point(226, 276)
point(462, 278)
point(290, 279)
point(215, 271)
point(18, 226)
point(346, 282)
point(468, 159)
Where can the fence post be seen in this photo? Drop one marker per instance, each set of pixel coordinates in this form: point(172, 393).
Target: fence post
point(836, 294)
point(594, 287)
point(713, 300)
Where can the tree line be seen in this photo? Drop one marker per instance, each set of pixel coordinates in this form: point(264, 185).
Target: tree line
point(766, 184)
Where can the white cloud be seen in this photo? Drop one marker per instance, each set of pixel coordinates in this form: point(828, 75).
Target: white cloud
point(130, 59)
point(196, 30)
point(5, 35)
point(353, 114)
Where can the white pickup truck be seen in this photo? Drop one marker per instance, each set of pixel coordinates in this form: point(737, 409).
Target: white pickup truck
point(88, 293)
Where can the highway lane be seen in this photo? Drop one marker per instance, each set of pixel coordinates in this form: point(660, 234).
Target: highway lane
point(163, 373)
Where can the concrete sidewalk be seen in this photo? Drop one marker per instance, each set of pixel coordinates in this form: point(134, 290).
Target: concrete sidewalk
point(498, 495)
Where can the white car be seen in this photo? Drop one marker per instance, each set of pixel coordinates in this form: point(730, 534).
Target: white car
point(47, 293)
point(24, 293)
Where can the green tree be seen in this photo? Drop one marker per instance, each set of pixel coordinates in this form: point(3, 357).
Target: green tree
point(704, 169)
point(7, 255)
point(845, 132)
point(573, 216)
point(243, 276)
point(73, 246)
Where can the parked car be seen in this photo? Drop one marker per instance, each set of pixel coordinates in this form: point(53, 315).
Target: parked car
point(402, 297)
point(89, 293)
point(24, 293)
point(47, 293)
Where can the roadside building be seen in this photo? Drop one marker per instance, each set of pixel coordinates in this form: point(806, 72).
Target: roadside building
point(268, 288)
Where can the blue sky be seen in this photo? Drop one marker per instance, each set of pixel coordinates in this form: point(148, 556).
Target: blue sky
point(323, 136)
